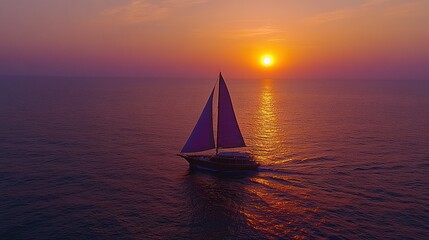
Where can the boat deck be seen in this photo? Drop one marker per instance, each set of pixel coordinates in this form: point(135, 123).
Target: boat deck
point(221, 163)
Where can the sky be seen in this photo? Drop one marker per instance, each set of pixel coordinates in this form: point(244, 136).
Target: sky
point(351, 39)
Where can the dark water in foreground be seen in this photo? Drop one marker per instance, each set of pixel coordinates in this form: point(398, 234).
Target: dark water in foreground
point(95, 159)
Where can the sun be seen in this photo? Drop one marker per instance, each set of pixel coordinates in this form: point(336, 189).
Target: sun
point(267, 60)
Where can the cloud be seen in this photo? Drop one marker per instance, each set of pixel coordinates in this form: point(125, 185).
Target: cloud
point(140, 11)
point(344, 13)
point(370, 3)
point(407, 9)
point(276, 39)
point(349, 12)
point(383, 7)
point(330, 16)
point(253, 32)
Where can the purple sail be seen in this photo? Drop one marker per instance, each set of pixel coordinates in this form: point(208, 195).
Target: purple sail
point(228, 134)
point(202, 138)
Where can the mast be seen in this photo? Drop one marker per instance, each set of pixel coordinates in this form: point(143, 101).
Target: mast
point(217, 125)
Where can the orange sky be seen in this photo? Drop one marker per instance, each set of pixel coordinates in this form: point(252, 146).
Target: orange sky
point(197, 38)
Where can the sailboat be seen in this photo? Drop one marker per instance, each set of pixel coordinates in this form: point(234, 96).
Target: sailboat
point(228, 136)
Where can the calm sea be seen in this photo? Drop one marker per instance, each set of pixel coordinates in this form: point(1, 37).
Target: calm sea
point(95, 159)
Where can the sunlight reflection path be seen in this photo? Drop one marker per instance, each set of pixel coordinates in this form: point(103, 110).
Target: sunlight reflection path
point(278, 204)
point(268, 142)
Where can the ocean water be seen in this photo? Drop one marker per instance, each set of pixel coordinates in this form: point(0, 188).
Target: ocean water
point(94, 158)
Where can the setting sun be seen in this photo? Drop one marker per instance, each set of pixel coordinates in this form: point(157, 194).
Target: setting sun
point(267, 60)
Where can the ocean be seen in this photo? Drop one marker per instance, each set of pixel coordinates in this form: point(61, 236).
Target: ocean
point(95, 158)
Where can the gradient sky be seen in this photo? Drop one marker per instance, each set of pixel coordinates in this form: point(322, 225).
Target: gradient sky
point(197, 38)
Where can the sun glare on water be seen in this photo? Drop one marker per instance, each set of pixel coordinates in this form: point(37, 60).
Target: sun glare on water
point(267, 60)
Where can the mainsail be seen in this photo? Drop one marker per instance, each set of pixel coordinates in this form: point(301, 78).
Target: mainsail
point(228, 131)
point(202, 138)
